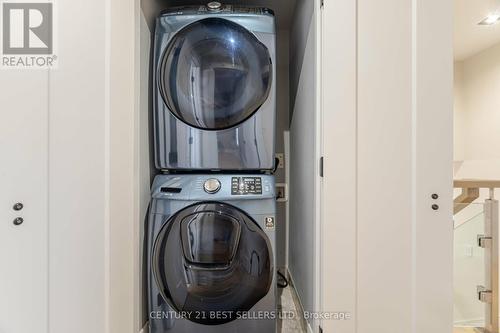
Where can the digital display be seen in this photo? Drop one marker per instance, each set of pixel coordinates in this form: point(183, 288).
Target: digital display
point(246, 185)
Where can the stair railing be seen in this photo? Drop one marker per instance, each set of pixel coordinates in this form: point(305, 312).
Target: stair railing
point(488, 293)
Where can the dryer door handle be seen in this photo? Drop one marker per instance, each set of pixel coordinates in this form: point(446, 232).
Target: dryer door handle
point(208, 267)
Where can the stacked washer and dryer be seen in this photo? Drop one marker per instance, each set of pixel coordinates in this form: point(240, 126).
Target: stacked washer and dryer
point(211, 231)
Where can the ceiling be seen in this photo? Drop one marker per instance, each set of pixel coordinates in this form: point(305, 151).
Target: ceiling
point(471, 38)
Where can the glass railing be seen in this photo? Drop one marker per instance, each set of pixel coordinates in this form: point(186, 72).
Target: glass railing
point(469, 268)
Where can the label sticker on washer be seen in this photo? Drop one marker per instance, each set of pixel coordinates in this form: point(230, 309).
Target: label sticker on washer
point(270, 222)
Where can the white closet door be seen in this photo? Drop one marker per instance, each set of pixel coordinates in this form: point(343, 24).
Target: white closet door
point(23, 179)
point(387, 104)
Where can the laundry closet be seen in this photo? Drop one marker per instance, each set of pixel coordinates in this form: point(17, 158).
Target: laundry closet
point(225, 133)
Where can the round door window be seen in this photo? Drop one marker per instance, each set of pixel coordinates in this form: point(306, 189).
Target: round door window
point(212, 262)
point(214, 74)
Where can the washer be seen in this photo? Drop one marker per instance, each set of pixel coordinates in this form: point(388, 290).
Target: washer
point(211, 254)
point(214, 88)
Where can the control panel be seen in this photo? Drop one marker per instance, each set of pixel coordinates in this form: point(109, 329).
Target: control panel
point(217, 7)
point(246, 185)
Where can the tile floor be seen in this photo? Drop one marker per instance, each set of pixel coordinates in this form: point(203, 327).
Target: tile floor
point(289, 304)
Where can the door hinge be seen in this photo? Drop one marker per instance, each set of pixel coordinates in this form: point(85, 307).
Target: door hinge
point(483, 294)
point(321, 166)
point(484, 241)
point(322, 4)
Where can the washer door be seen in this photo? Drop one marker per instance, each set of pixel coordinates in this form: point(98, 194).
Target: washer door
point(214, 74)
point(212, 262)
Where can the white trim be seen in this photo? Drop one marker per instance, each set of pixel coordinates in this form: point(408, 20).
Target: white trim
point(414, 98)
point(286, 141)
point(107, 167)
point(309, 328)
point(121, 177)
point(318, 147)
point(137, 242)
point(145, 328)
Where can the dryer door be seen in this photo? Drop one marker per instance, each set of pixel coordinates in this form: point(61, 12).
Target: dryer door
point(214, 74)
point(212, 262)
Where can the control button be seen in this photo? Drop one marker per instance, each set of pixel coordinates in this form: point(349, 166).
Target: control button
point(212, 185)
point(214, 5)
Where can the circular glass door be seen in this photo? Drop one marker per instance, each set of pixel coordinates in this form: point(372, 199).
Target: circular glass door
point(214, 74)
point(211, 262)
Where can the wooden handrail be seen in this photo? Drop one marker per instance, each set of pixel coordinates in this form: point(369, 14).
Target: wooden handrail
point(476, 183)
point(470, 191)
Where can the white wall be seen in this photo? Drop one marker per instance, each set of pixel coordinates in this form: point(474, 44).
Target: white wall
point(282, 124)
point(479, 105)
point(303, 156)
point(459, 121)
point(300, 33)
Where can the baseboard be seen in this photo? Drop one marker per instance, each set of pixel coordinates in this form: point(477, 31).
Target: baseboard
point(145, 329)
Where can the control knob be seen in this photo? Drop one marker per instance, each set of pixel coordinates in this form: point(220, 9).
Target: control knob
point(214, 5)
point(212, 185)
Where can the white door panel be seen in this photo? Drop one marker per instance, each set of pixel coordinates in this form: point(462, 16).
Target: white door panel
point(387, 147)
point(338, 200)
point(23, 178)
point(433, 70)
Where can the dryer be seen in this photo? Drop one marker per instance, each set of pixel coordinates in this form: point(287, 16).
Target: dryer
point(214, 88)
point(211, 254)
